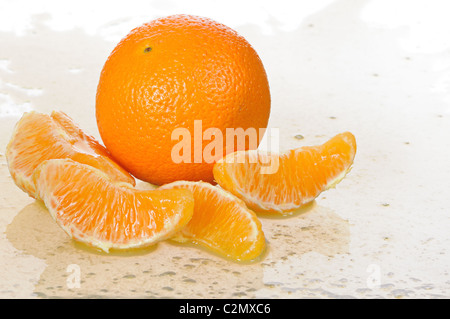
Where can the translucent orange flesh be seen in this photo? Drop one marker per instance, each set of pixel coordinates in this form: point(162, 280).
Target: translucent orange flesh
point(301, 176)
point(221, 222)
point(38, 137)
point(105, 214)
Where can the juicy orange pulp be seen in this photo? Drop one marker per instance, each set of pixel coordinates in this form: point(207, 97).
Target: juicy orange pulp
point(95, 210)
point(38, 137)
point(300, 175)
point(221, 222)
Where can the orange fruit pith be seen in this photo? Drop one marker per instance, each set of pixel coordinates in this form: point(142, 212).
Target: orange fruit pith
point(38, 137)
point(301, 176)
point(221, 222)
point(93, 209)
point(165, 75)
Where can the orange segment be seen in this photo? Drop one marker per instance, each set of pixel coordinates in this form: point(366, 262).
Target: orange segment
point(301, 175)
point(38, 137)
point(93, 209)
point(221, 222)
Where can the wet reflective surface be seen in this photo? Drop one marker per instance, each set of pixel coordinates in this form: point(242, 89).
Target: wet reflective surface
point(380, 69)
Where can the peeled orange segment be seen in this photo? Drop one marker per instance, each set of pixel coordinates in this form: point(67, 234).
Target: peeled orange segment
point(38, 137)
point(221, 222)
point(280, 183)
point(93, 209)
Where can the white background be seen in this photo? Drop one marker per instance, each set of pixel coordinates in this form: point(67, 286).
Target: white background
point(377, 68)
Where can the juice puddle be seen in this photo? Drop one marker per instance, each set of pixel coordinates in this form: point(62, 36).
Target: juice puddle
point(193, 245)
point(159, 271)
point(293, 214)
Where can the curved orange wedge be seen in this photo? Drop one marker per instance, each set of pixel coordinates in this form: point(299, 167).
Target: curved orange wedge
point(38, 137)
point(221, 222)
point(93, 209)
point(281, 183)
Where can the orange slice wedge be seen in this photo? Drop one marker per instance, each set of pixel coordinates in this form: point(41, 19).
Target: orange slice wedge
point(281, 183)
point(93, 209)
point(221, 222)
point(38, 137)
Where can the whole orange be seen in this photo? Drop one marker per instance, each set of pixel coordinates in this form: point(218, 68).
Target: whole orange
point(165, 75)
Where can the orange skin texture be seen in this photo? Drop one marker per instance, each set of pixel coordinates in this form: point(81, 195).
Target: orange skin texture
point(164, 75)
